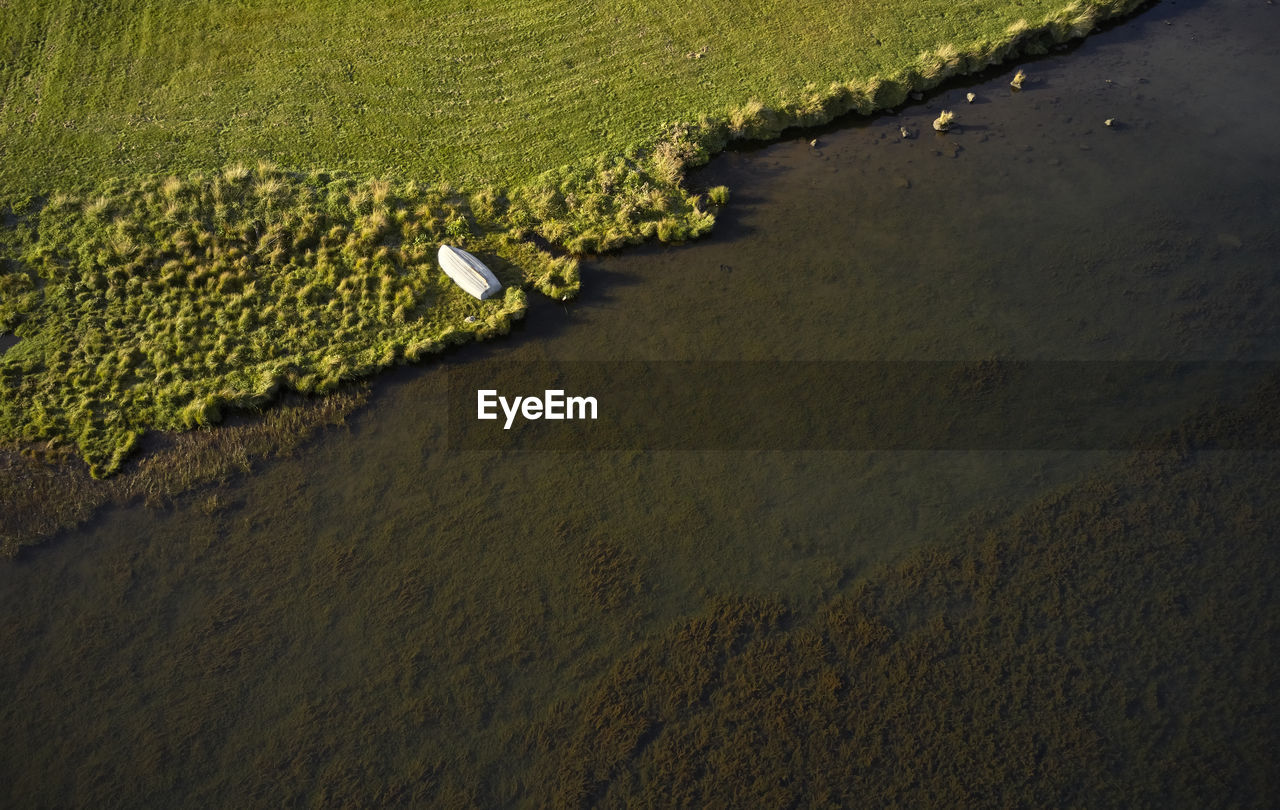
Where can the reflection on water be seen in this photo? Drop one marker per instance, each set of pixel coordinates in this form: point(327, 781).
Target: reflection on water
point(381, 615)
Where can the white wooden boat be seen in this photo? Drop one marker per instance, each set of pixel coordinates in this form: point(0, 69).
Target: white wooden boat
point(468, 272)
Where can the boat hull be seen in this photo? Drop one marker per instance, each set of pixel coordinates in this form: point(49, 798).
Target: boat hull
point(468, 272)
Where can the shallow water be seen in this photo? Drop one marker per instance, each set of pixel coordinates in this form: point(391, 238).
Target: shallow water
point(379, 599)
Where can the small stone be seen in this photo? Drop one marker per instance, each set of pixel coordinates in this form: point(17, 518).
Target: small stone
point(1111, 122)
point(906, 133)
point(470, 319)
point(969, 97)
point(814, 143)
point(1018, 79)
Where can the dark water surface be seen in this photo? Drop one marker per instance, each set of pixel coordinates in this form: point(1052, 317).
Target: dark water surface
point(381, 620)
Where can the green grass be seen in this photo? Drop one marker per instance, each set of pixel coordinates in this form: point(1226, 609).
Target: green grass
point(488, 91)
point(164, 302)
point(154, 280)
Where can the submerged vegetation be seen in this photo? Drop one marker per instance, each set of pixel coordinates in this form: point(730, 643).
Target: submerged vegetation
point(42, 493)
point(151, 300)
point(1112, 644)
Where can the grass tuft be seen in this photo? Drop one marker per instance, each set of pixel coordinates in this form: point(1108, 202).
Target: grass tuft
point(148, 322)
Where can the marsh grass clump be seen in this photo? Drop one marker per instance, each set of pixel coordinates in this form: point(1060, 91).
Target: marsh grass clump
point(614, 202)
point(754, 121)
point(1018, 79)
point(139, 315)
point(718, 195)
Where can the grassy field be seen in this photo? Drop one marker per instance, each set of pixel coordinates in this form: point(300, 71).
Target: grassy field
point(484, 91)
point(204, 202)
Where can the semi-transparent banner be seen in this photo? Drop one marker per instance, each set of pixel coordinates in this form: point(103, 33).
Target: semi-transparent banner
point(764, 405)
